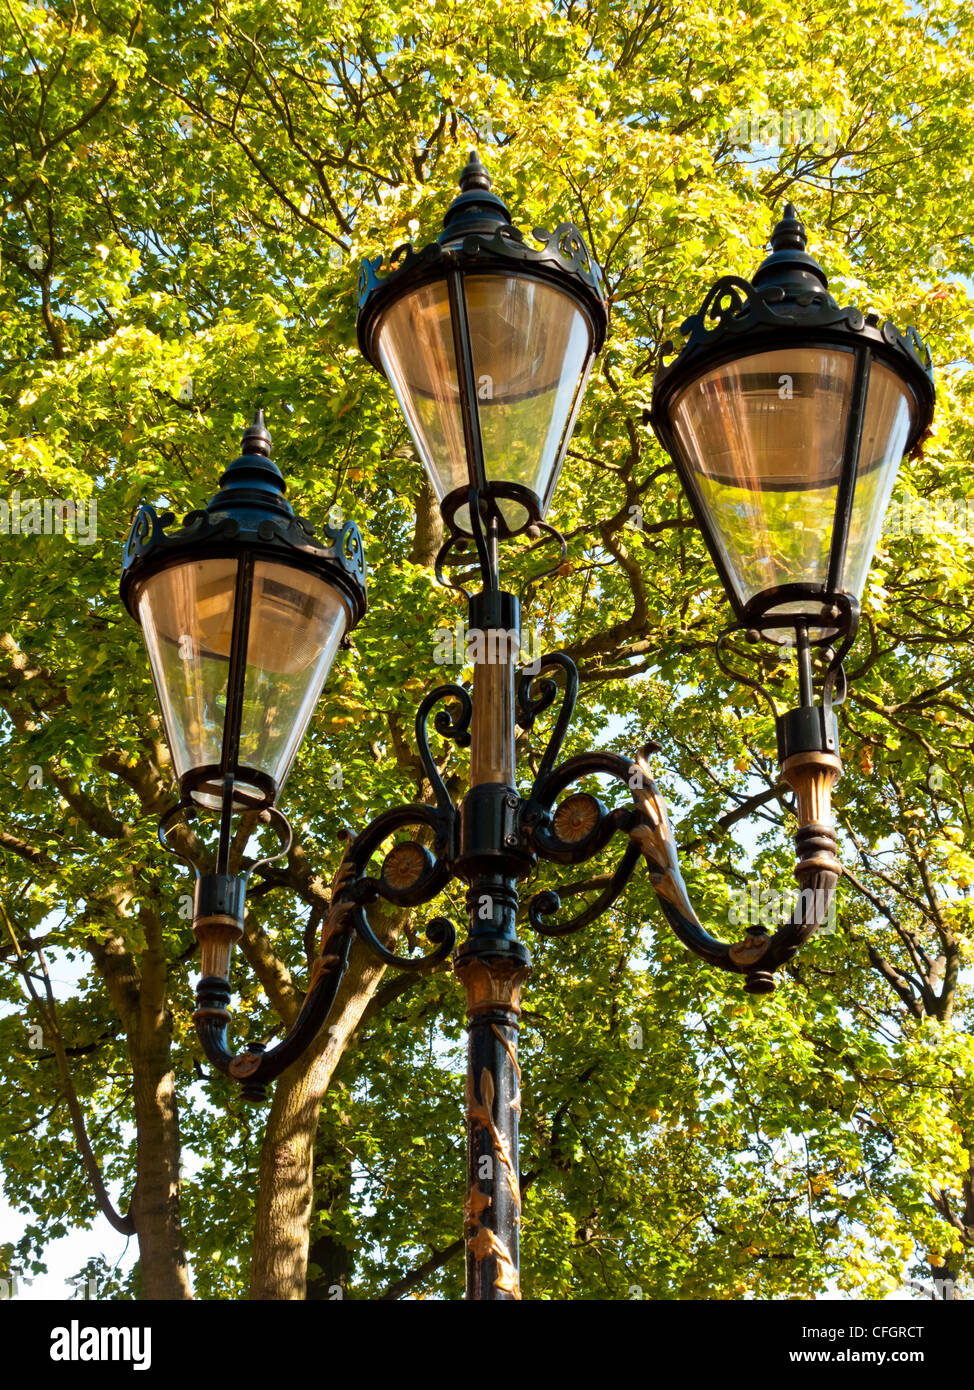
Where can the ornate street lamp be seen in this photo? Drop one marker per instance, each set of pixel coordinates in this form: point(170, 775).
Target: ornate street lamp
point(787, 418)
point(488, 344)
point(242, 611)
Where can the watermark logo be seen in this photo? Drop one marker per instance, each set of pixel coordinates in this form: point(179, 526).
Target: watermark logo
point(463, 646)
point(923, 516)
point(49, 516)
point(77, 1343)
point(760, 128)
point(10, 1286)
point(757, 906)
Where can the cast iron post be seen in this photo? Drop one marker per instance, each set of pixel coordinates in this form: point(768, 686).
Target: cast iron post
point(492, 963)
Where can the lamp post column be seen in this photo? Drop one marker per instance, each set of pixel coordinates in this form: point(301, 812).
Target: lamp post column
point(492, 964)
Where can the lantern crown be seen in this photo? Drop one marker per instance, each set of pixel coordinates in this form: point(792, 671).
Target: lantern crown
point(250, 511)
point(252, 485)
point(476, 209)
point(789, 266)
point(787, 296)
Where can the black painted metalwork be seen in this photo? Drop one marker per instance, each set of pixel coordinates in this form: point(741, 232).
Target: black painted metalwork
point(489, 841)
point(478, 234)
point(249, 515)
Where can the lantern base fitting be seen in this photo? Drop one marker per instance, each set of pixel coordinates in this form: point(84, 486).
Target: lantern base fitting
point(809, 729)
point(218, 913)
point(212, 998)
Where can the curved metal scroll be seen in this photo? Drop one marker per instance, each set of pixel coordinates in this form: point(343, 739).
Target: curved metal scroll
point(456, 728)
point(527, 709)
point(415, 878)
point(547, 903)
point(268, 815)
point(410, 875)
point(648, 828)
point(834, 685)
point(442, 555)
point(553, 533)
point(741, 676)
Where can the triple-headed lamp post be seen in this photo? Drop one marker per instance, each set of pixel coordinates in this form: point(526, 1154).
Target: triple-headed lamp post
point(787, 419)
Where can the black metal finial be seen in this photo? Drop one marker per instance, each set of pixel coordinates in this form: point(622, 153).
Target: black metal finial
point(475, 210)
point(789, 234)
point(474, 175)
point(789, 267)
point(253, 481)
point(256, 439)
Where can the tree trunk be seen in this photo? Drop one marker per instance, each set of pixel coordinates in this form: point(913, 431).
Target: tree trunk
point(428, 533)
point(285, 1193)
point(140, 1002)
point(155, 1202)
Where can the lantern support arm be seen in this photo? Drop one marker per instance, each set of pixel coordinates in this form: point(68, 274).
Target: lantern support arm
point(257, 1066)
point(412, 873)
point(582, 826)
point(579, 828)
point(415, 870)
point(491, 841)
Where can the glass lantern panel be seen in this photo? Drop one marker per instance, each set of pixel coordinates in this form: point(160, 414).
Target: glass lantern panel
point(888, 422)
point(296, 624)
point(762, 440)
point(297, 621)
point(531, 348)
point(417, 356)
point(186, 613)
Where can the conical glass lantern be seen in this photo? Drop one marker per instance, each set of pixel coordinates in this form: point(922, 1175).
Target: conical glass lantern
point(242, 612)
point(787, 418)
point(488, 346)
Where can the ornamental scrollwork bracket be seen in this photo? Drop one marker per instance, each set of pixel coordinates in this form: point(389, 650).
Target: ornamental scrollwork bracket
point(580, 826)
point(410, 874)
point(455, 726)
point(536, 692)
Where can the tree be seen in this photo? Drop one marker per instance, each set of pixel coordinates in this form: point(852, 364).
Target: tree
point(186, 198)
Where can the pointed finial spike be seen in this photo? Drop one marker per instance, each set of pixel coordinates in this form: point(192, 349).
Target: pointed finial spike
point(256, 438)
point(789, 234)
point(474, 174)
